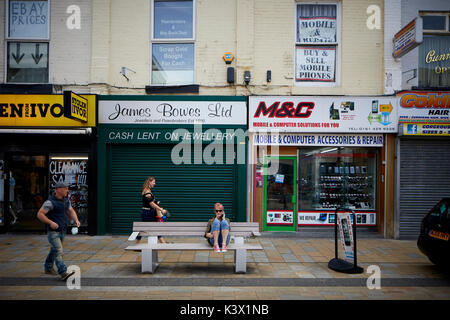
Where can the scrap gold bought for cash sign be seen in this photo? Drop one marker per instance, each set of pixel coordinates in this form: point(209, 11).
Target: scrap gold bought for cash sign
point(47, 110)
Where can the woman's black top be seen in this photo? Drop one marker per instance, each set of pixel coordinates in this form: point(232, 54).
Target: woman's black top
point(147, 200)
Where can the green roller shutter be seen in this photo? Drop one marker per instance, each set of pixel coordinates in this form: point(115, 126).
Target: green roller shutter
point(187, 191)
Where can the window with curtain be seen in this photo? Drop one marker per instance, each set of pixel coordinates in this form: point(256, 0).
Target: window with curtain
point(173, 42)
point(316, 43)
point(434, 61)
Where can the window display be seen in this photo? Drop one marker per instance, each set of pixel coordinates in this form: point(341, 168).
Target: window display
point(337, 177)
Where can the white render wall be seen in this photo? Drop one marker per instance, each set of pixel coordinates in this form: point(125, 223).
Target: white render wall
point(69, 50)
point(259, 33)
point(393, 67)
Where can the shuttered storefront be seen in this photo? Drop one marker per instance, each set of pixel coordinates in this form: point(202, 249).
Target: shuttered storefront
point(188, 191)
point(424, 179)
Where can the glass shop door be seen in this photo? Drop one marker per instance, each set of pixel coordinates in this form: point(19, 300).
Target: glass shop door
point(27, 178)
point(280, 209)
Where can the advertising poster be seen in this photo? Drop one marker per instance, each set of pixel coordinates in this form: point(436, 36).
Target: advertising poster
point(424, 107)
point(376, 114)
point(315, 63)
point(326, 218)
point(280, 217)
point(346, 234)
point(74, 173)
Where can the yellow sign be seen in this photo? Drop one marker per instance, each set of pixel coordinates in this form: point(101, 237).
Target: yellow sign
point(386, 108)
point(42, 110)
point(75, 106)
point(423, 129)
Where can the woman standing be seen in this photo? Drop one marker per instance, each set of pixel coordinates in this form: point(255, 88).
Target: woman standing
point(149, 205)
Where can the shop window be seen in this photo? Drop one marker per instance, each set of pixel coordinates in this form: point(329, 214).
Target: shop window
point(2, 191)
point(434, 51)
point(434, 61)
point(317, 40)
point(333, 177)
point(73, 170)
point(28, 37)
point(173, 37)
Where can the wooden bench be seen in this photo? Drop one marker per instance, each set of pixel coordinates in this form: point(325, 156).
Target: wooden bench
point(239, 231)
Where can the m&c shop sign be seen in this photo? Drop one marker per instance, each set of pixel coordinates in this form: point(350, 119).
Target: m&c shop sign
point(46, 111)
point(346, 114)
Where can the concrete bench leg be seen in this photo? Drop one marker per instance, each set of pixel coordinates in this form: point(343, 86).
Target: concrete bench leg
point(149, 260)
point(240, 261)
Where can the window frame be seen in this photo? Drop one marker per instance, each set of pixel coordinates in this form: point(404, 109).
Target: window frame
point(437, 13)
point(9, 40)
point(154, 40)
point(337, 44)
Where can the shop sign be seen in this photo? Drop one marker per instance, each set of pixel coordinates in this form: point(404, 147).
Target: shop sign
point(408, 38)
point(323, 114)
point(45, 111)
point(280, 218)
point(173, 112)
point(143, 135)
point(424, 107)
point(327, 218)
point(298, 139)
point(421, 129)
point(346, 234)
point(75, 106)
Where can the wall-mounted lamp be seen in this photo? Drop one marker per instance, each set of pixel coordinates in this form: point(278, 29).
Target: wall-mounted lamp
point(247, 77)
point(124, 70)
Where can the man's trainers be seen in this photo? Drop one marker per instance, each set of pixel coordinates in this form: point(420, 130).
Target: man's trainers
point(66, 275)
point(216, 249)
point(224, 248)
point(51, 271)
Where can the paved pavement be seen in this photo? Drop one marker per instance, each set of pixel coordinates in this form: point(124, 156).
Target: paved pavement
point(287, 269)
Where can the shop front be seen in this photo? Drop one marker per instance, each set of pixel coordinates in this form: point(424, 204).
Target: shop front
point(311, 155)
point(46, 139)
point(195, 147)
point(423, 157)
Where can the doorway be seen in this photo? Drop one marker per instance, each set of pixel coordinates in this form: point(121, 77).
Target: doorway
point(280, 193)
point(26, 192)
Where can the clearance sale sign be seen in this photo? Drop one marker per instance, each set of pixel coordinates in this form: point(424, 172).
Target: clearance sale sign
point(342, 114)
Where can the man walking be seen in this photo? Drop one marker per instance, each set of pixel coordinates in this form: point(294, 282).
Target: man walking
point(54, 214)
